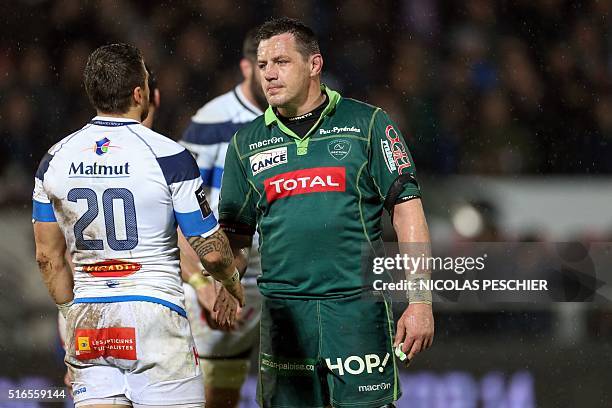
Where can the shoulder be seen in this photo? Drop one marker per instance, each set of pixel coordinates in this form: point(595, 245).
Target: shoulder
point(217, 110)
point(217, 121)
point(175, 162)
point(59, 148)
point(255, 127)
point(158, 144)
point(355, 107)
point(65, 142)
point(248, 136)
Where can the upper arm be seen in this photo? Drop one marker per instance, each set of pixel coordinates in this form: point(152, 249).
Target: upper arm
point(50, 242)
point(391, 165)
point(42, 209)
point(409, 222)
point(191, 209)
point(237, 207)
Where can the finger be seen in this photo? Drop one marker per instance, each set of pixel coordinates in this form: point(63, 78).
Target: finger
point(223, 314)
point(229, 322)
point(400, 333)
point(428, 342)
point(415, 349)
point(408, 342)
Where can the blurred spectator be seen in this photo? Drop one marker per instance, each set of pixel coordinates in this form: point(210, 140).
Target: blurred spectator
point(478, 86)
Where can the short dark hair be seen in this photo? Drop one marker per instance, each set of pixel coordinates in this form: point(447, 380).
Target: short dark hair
point(305, 38)
point(249, 46)
point(111, 74)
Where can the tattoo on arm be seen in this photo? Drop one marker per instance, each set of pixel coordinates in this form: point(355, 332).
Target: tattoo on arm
point(216, 243)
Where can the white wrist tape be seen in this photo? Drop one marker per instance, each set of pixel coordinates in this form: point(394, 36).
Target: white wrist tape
point(63, 307)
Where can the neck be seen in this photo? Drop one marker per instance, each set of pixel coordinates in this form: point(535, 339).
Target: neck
point(130, 114)
point(313, 99)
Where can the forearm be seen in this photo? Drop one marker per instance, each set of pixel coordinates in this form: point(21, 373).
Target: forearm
point(241, 258)
point(215, 254)
point(57, 276)
point(241, 248)
point(413, 237)
point(190, 262)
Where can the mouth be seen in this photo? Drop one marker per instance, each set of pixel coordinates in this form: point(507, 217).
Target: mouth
point(273, 89)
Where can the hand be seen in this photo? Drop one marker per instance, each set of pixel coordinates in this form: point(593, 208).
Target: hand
point(234, 287)
point(415, 329)
point(226, 308)
point(207, 295)
point(68, 381)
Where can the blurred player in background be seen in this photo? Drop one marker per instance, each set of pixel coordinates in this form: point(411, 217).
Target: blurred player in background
point(224, 354)
point(314, 174)
point(112, 193)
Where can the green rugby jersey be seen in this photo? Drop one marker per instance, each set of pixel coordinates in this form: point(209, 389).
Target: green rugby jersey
point(317, 200)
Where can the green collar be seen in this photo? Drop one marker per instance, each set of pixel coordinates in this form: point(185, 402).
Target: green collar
point(333, 97)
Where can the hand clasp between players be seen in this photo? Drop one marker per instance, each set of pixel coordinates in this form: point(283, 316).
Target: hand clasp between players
point(230, 298)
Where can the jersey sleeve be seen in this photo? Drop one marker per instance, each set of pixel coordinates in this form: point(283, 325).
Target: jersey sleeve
point(191, 209)
point(391, 166)
point(207, 134)
point(42, 209)
point(237, 207)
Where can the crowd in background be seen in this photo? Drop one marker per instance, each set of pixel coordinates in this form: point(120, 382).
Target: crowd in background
point(478, 86)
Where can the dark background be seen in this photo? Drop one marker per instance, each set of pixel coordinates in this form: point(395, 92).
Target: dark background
point(506, 107)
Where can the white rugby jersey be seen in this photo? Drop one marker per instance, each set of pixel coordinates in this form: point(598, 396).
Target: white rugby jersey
point(118, 191)
point(208, 136)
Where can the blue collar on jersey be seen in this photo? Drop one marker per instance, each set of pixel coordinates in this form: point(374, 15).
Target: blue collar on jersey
point(111, 123)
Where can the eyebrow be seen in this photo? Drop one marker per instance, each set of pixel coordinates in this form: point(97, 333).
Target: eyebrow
point(276, 58)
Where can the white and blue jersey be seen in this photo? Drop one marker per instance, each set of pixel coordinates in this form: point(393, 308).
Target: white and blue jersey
point(209, 134)
point(118, 191)
point(208, 137)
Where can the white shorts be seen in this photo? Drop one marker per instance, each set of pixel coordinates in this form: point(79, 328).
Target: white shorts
point(141, 350)
point(220, 344)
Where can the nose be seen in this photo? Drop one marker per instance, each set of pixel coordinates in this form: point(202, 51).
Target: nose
point(270, 73)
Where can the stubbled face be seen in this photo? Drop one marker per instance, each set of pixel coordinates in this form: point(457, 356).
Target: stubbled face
point(144, 103)
point(256, 88)
point(285, 73)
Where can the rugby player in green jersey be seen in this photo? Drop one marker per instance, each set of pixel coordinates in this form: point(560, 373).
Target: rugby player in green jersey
point(314, 174)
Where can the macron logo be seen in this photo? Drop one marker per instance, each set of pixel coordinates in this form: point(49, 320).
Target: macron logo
point(267, 142)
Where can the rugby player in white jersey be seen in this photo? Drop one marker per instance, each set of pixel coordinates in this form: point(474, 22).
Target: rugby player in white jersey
point(113, 193)
point(224, 354)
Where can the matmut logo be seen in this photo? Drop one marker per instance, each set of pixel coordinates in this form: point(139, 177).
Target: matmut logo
point(305, 181)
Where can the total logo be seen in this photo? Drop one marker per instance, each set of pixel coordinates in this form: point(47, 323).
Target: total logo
point(268, 159)
point(356, 365)
point(305, 181)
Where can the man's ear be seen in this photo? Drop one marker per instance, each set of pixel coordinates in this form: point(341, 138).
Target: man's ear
point(316, 64)
point(138, 95)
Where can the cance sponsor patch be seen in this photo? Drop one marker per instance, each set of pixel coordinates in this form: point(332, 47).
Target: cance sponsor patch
point(266, 160)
